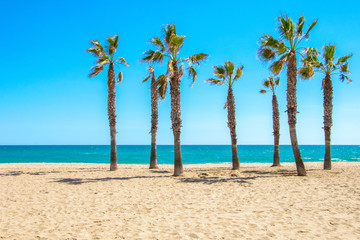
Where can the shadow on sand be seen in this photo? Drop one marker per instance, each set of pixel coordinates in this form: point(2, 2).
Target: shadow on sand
point(77, 181)
point(205, 176)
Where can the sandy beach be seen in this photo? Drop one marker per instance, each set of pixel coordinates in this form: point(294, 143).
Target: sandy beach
point(86, 201)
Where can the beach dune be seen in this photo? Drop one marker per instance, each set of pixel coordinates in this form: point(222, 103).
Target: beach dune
point(86, 201)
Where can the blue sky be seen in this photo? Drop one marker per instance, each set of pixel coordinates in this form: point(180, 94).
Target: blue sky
point(47, 98)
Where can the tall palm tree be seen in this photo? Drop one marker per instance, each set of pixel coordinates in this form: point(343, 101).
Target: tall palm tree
point(104, 57)
point(154, 114)
point(328, 68)
point(271, 83)
point(169, 48)
point(226, 75)
point(280, 52)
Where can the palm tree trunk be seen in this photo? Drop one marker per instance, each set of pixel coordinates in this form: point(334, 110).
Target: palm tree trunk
point(232, 127)
point(112, 116)
point(276, 128)
point(176, 119)
point(328, 108)
point(154, 122)
point(292, 111)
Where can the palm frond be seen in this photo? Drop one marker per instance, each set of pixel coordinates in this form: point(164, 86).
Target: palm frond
point(281, 48)
point(229, 68)
point(268, 82)
point(116, 41)
point(310, 59)
point(96, 70)
point(311, 54)
point(169, 31)
point(147, 56)
point(343, 77)
point(306, 72)
point(344, 68)
point(343, 59)
point(239, 72)
point(122, 60)
point(176, 43)
point(95, 51)
point(198, 58)
point(286, 27)
point(97, 44)
point(219, 71)
point(153, 56)
point(103, 59)
point(309, 29)
point(112, 42)
point(329, 51)
point(192, 73)
point(266, 54)
point(277, 66)
point(268, 41)
point(300, 25)
point(162, 82)
point(214, 81)
point(120, 77)
point(147, 78)
point(158, 43)
point(277, 81)
point(150, 69)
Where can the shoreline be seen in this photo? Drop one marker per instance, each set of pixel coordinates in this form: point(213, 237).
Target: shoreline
point(316, 164)
point(211, 201)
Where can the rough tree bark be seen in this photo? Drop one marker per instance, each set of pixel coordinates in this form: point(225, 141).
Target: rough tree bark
point(112, 116)
point(154, 122)
point(328, 108)
point(176, 119)
point(292, 111)
point(276, 128)
point(232, 127)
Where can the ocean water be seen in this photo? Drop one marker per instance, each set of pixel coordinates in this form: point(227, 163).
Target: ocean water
point(191, 154)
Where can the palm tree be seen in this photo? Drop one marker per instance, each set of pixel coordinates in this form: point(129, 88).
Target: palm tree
point(226, 75)
point(279, 52)
point(271, 84)
point(328, 68)
point(154, 115)
point(104, 57)
point(169, 47)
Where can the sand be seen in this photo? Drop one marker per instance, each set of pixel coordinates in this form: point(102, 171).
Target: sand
point(86, 201)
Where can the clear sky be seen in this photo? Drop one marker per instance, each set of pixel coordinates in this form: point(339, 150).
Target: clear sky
point(47, 98)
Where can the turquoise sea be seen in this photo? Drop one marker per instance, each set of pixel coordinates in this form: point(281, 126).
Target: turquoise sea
point(192, 154)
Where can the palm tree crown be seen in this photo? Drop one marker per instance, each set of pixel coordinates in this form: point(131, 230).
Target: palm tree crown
point(160, 81)
point(289, 43)
point(225, 74)
point(270, 83)
point(106, 56)
point(327, 67)
point(169, 47)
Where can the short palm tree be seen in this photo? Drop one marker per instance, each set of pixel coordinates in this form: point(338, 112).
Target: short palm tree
point(280, 52)
point(169, 48)
point(226, 75)
point(105, 57)
point(154, 114)
point(327, 67)
point(271, 84)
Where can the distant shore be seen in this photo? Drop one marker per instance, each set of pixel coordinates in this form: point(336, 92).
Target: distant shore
point(87, 201)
